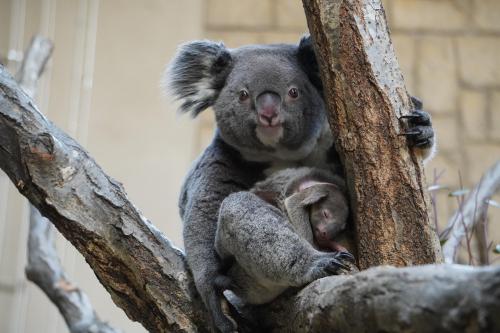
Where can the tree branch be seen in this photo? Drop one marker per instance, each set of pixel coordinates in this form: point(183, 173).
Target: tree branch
point(44, 269)
point(365, 94)
point(431, 298)
point(471, 211)
point(145, 275)
point(35, 58)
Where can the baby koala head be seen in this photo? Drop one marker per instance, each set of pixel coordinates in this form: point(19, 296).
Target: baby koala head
point(328, 212)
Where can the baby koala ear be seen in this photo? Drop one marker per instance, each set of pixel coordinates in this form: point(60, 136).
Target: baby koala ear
point(313, 194)
point(197, 74)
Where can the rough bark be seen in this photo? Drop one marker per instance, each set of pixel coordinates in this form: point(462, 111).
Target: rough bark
point(431, 298)
point(147, 277)
point(471, 211)
point(365, 94)
point(44, 267)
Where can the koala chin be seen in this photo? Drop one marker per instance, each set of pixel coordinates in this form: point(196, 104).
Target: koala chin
point(269, 136)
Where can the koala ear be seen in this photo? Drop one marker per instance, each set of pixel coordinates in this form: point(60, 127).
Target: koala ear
point(312, 195)
point(197, 74)
point(307, 60)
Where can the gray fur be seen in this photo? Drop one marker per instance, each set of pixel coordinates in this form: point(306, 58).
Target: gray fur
point(207, 74)
point(269, 253)
point(271, 265)
point(283, 190)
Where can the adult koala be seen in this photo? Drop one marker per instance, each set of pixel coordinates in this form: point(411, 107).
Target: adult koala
point(270, 114)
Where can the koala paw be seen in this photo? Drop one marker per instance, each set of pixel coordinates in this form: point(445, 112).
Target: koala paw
point(331, 263)
point(223, 282)
point(420, 133)
point(229, 325)
point(220, 312)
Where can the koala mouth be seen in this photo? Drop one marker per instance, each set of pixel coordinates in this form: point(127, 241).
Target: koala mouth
point(269, 134)
point(269, 122)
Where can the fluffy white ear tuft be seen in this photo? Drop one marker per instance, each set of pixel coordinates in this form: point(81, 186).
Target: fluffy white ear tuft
point(197, 74)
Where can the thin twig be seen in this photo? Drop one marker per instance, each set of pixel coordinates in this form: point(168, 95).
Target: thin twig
point(480, 194)
point(460, 200)
point(45, 270)
point(483, 246)
point(433, 196)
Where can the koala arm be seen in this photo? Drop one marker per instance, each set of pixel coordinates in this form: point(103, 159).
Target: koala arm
point(263, 244)
point(216, 174)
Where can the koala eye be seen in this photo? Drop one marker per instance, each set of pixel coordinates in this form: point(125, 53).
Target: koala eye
point(293, 92)
point(243, 95)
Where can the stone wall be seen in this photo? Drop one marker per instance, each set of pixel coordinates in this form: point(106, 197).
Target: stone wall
point(449, 51)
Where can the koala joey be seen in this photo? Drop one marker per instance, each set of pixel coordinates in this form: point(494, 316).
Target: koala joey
point(314, 200)
point(269, 113)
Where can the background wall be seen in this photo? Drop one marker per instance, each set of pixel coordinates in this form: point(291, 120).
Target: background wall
point(102, 86)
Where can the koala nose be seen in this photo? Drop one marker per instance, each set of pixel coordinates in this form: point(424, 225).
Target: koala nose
point(268, 108)
point(320, 232)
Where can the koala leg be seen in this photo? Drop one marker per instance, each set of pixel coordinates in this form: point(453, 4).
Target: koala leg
point(264, 245)
point(206, 279)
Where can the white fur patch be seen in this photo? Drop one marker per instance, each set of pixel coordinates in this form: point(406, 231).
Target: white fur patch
point(269, 139)
point(429, 153)
point(311, 153)
point(204, 90)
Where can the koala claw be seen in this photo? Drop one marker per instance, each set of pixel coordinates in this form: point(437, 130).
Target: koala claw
point(331, 263)
point(420, 136)
point(347, 256)
point(334, 266)
point(417, 103)
point(420, 133)
point(423, 144)
point(417, 117)
point(337, 267)
point(413, 132)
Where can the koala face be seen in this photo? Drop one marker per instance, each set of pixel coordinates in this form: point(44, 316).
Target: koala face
point(266, 98)
point(328, 215)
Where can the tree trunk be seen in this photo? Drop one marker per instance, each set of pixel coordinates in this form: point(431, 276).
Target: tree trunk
point(365, 94)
